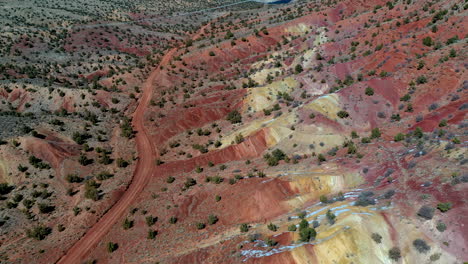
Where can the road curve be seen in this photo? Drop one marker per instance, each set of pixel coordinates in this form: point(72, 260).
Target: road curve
point(141, 176)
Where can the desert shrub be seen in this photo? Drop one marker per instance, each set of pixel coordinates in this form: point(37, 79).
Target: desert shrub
point(244, 228)
point(388, 194)
point(331, 217)
point(22, 168)
point(72, 178)
point(298, 69)
point(212, 219)
point(38, 232)
point(234, 117)
point(427, 41)
point(200, 225)
point(126, 129)
point(104, 175)
point(38, 163)
point(369, 91)
point(306, 233)
point(444, 207)
point(441, 226)
point(152, 234)
point(418, 132)
point(151, 220)
point(189, 182)
point(173, 220)
point(80, 138)
point(323, 199)
point(272, 227)
point(426, 212)
point(5, 188)
point(399, 137)
point(122, 163)
point(274, 158)
point(375, 133)
point(217, 198)
point(239, 138)
point(421, 79)
point(170, 179)
point(111, 247)
point(321, 158)
point(434, 257)
point(394, 253)
point(421, 246)
point(91, 190)
point(270, 242)
point(342, 114)
point(292, 228)
point(127, 224)
point(45, 208)
point(365, 198)
point(377, 238)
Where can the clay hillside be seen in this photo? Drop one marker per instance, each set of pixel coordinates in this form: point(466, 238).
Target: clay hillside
point(233, 131)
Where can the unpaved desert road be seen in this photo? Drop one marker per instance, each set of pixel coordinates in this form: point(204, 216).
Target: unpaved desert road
point(141, 176)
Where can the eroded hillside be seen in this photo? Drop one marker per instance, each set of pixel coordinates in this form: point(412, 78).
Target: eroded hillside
point(304, 132)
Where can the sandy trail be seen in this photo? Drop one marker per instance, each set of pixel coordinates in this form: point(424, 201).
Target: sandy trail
point(141, 176)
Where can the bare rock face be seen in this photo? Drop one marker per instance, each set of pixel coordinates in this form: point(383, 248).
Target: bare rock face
point(233, 132)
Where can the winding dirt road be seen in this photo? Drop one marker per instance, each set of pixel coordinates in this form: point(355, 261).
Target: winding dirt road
point(141, 176)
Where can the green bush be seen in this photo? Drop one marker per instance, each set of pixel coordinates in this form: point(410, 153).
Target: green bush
point(369, 91)
point(444, 207)
point(427, 41)
point(331, 217)
point(200, 225)
point(212, 219)
point(152, 234)
point(151, 220)
point(292, 228)
point(394, 253)
point(272, 227)
point(375, 133)
point(72, 178)
point(91, 190)
point(127, 224)
point(111, 247)
point(306, 234)
point(270, 242)
point(173, 220)
point(377, 238)
point(244, 228)
point(441, 226)
point(38, 232)
point(321, 158)
point(342, 114)
point(234, 117)
point(399, 137)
